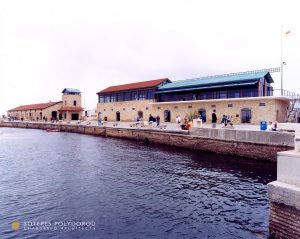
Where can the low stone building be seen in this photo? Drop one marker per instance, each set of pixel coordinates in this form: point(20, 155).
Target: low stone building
point(247, 96)
point(68, 109)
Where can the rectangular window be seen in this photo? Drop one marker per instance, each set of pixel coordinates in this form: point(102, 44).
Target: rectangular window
point(142, 94)
point(113, 98)
point(230, 105)
point(134, 95)
point(127, 96)
point(101, 99)
point(233, 94)
point(262, 104)
point(190, 107)
point(106, 98)
point(223, 94)
point(150, 94)
point(74, 103)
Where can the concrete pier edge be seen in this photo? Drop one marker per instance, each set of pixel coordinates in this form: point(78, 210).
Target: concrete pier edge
point(257, 145)
point(284, 197)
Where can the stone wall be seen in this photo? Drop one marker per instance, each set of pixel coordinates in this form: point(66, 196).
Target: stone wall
point(33, 114)
point(68, 100)
point(264, 150)
point(262, 108)
point(284, 221)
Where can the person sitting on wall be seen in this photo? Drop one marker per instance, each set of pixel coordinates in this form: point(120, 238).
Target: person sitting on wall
point(179, 119)
point(185, 125)
point(150, 119)
point(272, 126)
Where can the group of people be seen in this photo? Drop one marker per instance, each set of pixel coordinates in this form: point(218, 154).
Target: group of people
point(154, 120)
point(185, 125)
point(227, 120)
point(272, 126)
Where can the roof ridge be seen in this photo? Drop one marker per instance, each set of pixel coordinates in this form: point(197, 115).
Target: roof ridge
point(269, 70)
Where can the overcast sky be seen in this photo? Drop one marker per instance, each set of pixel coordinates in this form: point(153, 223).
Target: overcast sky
point(46, 46)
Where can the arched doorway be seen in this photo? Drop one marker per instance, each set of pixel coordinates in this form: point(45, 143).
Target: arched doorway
point(41, 115)
point(202, 113)
point(140, 114)
point(246, 115)
point(118, 116)
point(99, 117)
point(54, 115)
point(167, 116)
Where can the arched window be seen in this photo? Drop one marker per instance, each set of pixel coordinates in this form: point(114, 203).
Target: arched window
point(167, 116)
point(246, 115)
point(202, 113)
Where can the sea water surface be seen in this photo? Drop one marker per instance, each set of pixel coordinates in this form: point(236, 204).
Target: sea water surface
point(126, 189)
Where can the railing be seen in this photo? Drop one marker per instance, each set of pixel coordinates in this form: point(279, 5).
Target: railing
point(289, 94)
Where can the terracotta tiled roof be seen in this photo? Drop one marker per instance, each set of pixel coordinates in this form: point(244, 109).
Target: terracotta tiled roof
point(71, 109)
point(133, 86)
point(40, 106)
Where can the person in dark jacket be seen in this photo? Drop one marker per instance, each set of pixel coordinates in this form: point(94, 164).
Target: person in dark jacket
point(158, 120)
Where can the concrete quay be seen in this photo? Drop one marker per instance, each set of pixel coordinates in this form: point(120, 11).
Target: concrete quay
point(259, 145)
point(284, 196)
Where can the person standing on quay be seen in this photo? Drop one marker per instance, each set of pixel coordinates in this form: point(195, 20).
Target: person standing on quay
point(158, 120)
point(214, 119)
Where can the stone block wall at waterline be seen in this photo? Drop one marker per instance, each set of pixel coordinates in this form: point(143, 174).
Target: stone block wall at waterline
point(211, 140)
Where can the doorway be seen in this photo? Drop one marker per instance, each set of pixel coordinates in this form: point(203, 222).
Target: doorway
point(167, 116)
point(54, 115)
point(118, 116)
point(75, 116)
point(140, 115)
point(202, 113)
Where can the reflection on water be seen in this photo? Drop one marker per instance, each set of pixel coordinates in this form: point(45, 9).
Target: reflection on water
point(128, 189)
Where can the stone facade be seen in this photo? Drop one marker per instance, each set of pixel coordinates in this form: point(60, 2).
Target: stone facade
point(62, 110)
point(70, 101)
point(262, 109)
point(35, 115)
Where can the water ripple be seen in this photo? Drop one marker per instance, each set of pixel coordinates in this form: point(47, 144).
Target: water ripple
point(130, 190)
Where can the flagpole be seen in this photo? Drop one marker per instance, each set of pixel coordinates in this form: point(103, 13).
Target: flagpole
point(281, 60)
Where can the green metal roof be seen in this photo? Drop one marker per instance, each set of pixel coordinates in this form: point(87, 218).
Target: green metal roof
point(208, 87)
point(216, 80)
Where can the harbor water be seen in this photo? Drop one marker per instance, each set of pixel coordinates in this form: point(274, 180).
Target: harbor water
point(64, 185)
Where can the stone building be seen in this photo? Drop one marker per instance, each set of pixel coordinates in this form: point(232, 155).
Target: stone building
point(247, 96)
point(68, 109)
